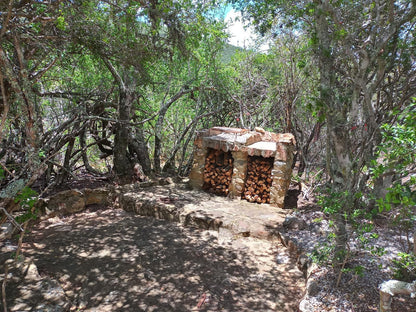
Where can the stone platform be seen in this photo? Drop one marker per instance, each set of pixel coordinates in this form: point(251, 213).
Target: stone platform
point(195, 208)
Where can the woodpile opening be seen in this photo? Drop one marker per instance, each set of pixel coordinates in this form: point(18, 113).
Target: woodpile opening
point(258, 179)
point(218, 172)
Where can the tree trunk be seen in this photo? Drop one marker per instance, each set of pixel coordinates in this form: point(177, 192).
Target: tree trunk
point(159, 124)
point(138, 149)
point(84, 155)
point(64, 172)
point(157, 150)
point(338, 160)
point(4, 102)
point(158, 133)
point(122, 166)
point(21, 86)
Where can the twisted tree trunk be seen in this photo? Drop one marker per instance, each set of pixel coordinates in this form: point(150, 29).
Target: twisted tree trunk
point(123, 168)
point(339, 161)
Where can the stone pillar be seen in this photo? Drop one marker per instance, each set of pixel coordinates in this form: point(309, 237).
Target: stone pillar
point(281, 173)
point(196, 177)
point(239, 174)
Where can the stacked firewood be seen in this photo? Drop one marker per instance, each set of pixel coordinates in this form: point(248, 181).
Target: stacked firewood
point(258, 180)
point(218, 172)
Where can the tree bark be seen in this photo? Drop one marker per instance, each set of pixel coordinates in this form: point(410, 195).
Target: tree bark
point(138, 149)
point(123, 168)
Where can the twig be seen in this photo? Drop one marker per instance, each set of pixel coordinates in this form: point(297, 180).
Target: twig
point(3, 286)
point(343, 266)
point(12, 220)
point(7, 170)
point(201, 301)
point(19, 245)
point(126, 122)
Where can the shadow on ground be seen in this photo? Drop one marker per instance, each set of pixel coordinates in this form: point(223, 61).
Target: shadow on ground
point(111, 260)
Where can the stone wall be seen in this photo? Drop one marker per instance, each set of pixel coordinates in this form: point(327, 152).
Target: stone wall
point(281, 173)
point(196, 177)
point(239, 174)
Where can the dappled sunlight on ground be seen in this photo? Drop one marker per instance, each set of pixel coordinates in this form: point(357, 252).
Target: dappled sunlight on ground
point(111, 260)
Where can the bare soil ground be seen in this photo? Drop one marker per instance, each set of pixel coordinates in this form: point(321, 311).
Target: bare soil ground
point(106, 259)
point(111, 260)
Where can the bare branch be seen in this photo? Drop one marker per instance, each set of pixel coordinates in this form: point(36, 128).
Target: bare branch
point(5, 105)
point(11, 219)
point(114, 72)
point(6, 20)
point(39, 74)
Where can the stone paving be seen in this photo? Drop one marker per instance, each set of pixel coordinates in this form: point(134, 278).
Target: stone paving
point(202, 210)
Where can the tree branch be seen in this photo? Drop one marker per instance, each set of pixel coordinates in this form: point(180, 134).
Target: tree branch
point(114, 72)
point(7, 19)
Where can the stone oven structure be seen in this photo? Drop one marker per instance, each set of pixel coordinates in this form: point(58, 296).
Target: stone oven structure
point(252, 165)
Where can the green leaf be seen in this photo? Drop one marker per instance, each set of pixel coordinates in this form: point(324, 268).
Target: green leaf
point(60, 22)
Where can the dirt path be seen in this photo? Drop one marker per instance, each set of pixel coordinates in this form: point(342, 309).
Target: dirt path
point(111, 260)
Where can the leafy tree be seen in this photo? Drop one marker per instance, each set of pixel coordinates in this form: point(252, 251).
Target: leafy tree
point(363, 53)
point(293, 77)
point(181, 81)
point(396, 159)
point(97, 77)
point(250, 88)
point(274, 90)
point(27, 51)
point(122, 36)
point(130, 38)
